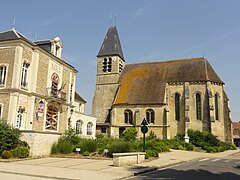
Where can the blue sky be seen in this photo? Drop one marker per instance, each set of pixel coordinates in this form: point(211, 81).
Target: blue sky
point(149, 30)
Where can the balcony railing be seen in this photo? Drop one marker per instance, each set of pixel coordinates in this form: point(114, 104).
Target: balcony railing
point(56, 94)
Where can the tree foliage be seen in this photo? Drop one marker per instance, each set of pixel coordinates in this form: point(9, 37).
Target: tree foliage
point(9, 137)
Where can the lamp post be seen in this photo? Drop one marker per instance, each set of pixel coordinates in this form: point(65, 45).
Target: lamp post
point(69, 119)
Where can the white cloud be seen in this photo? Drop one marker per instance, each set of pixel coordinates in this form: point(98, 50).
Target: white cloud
point(139, 12)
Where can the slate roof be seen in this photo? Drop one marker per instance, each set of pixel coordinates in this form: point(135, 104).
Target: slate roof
point(45, 44)
point(111, 44)
point(13, 35)
point(145, 83)
point(78, 98)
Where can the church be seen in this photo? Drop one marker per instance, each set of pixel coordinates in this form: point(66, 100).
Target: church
point(173, 95)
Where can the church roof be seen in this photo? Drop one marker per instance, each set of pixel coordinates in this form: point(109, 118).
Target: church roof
point(145, 83)
point(111, 44)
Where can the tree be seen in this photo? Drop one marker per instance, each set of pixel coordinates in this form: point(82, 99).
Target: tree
point(9, 137)
point(129, 134)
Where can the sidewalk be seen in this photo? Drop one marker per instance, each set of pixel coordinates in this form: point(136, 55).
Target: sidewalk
point(88, 169)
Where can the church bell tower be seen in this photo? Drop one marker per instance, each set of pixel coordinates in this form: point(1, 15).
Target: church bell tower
point(110, 63)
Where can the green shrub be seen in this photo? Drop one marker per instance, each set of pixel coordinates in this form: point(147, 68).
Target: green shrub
point(129, 134)
point(6, 154)
point(151, 153)
point(9, 136)
point(102, 143)
point(20, 152)
point(86, 153)
point(197, 137)
point(189, 146)
point(54, 148)
point(71, 136)
point(136, 146)
point(64, 146)
point(118, 147)
point(227, 145)
point(89, 145)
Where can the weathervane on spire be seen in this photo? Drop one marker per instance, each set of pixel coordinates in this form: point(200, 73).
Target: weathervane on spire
point(110, 20)
point(115, 20)
point(14, 22)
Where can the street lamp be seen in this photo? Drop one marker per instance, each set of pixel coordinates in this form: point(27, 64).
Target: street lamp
point(69, 119)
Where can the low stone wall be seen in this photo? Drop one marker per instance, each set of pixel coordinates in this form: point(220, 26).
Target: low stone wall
point(40, 142)
point(126, 159)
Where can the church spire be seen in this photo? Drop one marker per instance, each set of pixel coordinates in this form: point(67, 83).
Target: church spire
point(111, 44)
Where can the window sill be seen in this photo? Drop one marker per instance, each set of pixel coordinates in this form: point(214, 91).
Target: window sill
point(24, 87)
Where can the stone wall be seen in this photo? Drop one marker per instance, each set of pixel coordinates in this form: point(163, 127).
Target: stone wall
point(139, 113)
point(4, 101)
point(40, 142)
point(7, 56)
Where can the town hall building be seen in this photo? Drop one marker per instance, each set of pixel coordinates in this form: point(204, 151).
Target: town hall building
point(37, 92)
point(173, 96)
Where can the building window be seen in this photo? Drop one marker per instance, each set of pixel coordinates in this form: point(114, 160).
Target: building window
point(120, 66)
point(3, 71)
point(71, 92)
point(89, 128)
point(52, 118)
point(25, 67)
point(104, 130)
point(1, 110)
point(150, 115)
point(198, 106)
point(128, 116)
point(109, 66)
point(177, 107)
point(79, 125)
point(54, 87)
point(216, 107)
point(104, 65)
point(19, 120)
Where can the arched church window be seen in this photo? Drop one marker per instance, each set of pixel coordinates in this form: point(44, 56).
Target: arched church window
point(55, 81)
point(79, 125)
point(128, 116)
point(198, 106)
point(104, 65)
point(177, 107)
point(150, 116)
point(109, 66)
point(52, 118)
point(216, 107)
point(89, 128)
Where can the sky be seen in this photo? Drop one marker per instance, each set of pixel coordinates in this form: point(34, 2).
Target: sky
point(149, 30)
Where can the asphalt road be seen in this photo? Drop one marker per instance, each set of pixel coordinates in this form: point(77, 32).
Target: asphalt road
point(202, 169)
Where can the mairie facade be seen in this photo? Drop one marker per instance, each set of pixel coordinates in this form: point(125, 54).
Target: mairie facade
point(37, 91)
point(173, 96)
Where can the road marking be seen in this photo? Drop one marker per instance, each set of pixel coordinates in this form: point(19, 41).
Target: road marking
point(214, 160)
point(205, 159)
point(227, 160)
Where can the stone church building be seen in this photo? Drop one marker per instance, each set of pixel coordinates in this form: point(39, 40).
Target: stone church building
point(37, 91)
point(173, 95)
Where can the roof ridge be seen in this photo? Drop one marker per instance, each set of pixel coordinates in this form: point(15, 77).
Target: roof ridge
point(167, 61)
point(16, 33)
point(6, 31)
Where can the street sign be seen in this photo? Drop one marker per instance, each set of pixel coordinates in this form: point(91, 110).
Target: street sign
point(144, 128)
